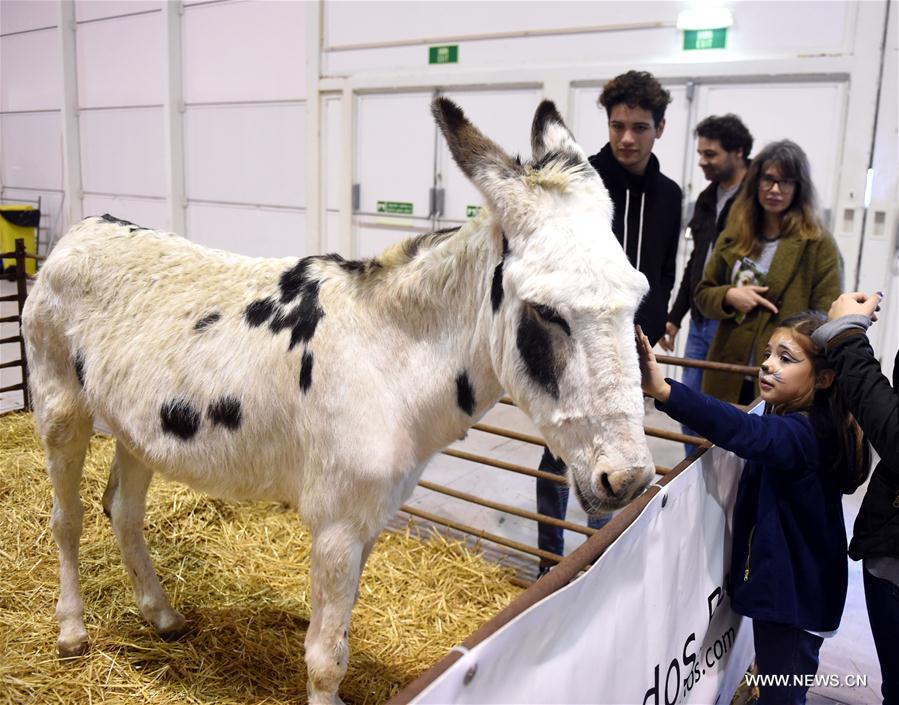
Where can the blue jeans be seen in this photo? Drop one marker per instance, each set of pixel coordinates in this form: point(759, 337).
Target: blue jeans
point(782, 650)
point(552, 500)
point(699, 340)
point(882, 600)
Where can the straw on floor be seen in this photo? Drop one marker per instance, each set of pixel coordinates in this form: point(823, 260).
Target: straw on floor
point(238, 571)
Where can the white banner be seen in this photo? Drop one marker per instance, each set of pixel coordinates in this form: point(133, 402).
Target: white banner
point(648, 624)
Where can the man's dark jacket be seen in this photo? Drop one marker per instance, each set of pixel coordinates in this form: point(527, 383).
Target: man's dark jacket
point(649, 233)
point(705, 225)
point(876, 407)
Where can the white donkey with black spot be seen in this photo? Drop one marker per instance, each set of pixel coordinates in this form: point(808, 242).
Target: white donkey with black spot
point(329, 384)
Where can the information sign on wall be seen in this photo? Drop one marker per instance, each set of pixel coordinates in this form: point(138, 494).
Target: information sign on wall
point(705, 38)
point(394, 207)
point(448, 54)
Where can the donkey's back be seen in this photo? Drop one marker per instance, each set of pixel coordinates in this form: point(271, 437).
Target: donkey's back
point(150, 333)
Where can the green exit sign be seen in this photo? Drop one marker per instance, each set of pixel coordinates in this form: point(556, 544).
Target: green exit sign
point(448, 54)
point(401, 207)
point(472, 211)
point(705, 38)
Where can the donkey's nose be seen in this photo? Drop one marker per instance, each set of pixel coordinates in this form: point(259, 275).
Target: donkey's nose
point(607, 484)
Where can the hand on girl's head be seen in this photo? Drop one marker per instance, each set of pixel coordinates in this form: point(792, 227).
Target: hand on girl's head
point(856, 302)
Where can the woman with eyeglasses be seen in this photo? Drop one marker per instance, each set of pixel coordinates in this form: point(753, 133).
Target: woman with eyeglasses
point(773, 260)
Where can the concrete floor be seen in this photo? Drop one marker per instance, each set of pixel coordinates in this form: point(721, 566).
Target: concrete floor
point(851, 652)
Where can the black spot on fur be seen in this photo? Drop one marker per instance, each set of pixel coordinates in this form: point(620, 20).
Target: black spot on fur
point(465, 394)
point(179, 418)
point(550, 315)
point(118, 221)
point(496, 288)
point(306, 372)
point(78, 362)
point(207, 321)
point(225, 412)
point(292, 281)
point(535, 347)
point(259, 312)
point(306, 316)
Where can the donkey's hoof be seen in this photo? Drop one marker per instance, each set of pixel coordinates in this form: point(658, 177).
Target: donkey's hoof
point(172, 626)
point(72, 648)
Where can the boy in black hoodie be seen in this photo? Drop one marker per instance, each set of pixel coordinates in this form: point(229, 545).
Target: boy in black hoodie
point(646, 221)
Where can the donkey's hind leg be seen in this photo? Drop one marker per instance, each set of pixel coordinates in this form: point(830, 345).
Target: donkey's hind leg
point(66, 434)
point(125, 500)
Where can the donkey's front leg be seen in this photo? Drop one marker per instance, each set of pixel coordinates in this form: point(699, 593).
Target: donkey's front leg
point(336, 566)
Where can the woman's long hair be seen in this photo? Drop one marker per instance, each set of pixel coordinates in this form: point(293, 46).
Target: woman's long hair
point(827, 411)
point(744, 224)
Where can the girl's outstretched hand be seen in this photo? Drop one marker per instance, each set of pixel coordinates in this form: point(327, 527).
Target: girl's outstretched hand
point(653, 381)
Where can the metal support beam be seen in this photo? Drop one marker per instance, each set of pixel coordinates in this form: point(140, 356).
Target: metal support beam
point(315, 177)
point(73, 207)
point(173, 119)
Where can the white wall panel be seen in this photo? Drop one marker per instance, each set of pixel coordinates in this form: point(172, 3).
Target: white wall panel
point(505, 116)
point(372, 239)
point(247, 154)
point(258, 232)
point(30, 71)
point(31, 147)
point(759, 30)
point(395, 150)
point(776, 111)
point(21, 15)
point(122, 151)
point(590, 125)
point(149, 213)
point(97, 9)
point(244, 51)
point(121, 61)
point(332, 159)
point(332, 238)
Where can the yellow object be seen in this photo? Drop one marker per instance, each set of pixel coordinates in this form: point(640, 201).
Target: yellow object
point(9, 233)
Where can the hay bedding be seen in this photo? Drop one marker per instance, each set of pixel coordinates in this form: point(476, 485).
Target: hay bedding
point(239, 574)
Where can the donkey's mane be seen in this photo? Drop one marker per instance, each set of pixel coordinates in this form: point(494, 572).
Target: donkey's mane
point(428, 267)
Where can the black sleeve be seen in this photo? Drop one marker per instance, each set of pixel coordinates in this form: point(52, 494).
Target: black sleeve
point(684, 297)
point(669, 266)
point(868, 394)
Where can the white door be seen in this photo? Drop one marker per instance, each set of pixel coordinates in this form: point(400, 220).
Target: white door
point(395, 143)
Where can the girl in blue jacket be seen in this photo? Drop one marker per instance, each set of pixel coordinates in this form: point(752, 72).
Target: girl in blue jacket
point(788, 564)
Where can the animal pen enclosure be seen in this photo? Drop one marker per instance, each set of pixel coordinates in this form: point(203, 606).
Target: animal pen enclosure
point(239, 570)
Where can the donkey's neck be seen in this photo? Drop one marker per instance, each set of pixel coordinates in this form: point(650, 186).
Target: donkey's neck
point(442, 298)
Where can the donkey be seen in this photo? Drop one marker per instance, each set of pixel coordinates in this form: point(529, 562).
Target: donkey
point(328, 384)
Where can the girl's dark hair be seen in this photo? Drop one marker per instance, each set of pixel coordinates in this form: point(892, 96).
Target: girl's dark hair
point(827, 411)
point(744, 224)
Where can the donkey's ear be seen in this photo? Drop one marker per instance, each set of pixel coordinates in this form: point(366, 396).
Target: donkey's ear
point(549, 134)
point(493, 171)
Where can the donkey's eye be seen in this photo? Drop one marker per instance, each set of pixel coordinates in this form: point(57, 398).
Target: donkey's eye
point(550, 315)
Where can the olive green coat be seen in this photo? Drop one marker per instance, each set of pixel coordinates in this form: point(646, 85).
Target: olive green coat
point(804, 274)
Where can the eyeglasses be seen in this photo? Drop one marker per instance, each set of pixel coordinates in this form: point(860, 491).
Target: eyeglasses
point(766, 183)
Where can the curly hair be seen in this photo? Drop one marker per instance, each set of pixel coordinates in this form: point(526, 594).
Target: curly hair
point(744, 224)
point(729, 130)
point(636, 89)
